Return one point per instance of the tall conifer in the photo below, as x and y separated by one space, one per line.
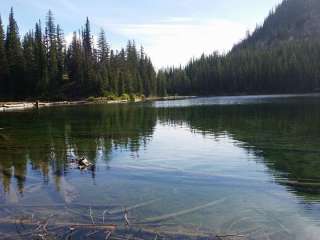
14 58
3 63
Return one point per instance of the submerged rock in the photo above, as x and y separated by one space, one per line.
84 163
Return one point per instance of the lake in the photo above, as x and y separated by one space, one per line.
242 166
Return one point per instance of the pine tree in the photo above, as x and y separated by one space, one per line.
161 84
133 68
103 48
151 76
40 59
88 66
14 58
52 55
103 64
144 81
113 73
3 64
42 67
122 73
60 55
75 61
29 58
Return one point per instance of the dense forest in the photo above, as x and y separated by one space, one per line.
41 65
290 67
280 56
290 20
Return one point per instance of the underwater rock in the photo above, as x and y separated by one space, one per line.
84 163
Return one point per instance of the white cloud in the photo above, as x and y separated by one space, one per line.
176 40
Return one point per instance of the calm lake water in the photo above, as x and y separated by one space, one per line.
226 165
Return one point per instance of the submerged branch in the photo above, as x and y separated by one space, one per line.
183 212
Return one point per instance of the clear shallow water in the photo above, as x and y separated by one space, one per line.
226 165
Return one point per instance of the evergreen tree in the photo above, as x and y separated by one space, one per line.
29 59
151 76
89 75
123 75
52 55
113 73
43 67
103 64
132 68
40 59
161 84
74 61
103 48
60 55
3 63
14 59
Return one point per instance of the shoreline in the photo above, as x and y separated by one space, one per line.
11 106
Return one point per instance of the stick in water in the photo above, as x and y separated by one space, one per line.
183 212
91 216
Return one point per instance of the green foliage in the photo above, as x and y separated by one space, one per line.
14 59
132 97
290 20
265 62
91 99
43 66
3 63
125 97
110 96
281 56
289 67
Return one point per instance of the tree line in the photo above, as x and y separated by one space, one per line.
287 67
41 64
280 56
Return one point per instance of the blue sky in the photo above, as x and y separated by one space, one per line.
172 31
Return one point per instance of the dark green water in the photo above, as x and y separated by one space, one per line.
227 165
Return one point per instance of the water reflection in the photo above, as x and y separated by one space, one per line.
284 135
50 138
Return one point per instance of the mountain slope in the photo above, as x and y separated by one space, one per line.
281 56
291 20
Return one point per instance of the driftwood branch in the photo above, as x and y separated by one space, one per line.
126 218
91 216
183 212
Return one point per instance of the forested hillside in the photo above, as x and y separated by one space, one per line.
290 21
281 56
41 65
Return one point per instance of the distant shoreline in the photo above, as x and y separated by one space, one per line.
27 105
11 106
